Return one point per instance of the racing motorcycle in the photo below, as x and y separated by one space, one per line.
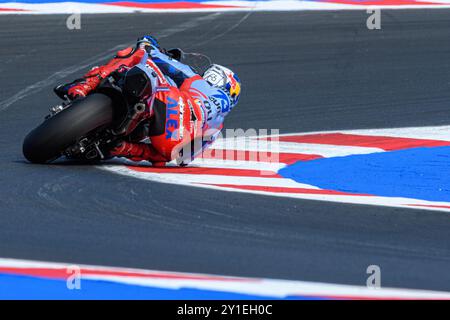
83 128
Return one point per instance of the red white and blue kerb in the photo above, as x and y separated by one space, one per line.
23 279
405 167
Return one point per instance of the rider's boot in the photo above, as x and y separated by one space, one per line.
138 152
81 87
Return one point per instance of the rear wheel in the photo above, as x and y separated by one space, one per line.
48 141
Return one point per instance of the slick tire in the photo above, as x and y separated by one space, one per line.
49 140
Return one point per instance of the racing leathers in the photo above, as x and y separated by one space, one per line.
183 116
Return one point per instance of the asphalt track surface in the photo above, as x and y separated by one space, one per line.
301 71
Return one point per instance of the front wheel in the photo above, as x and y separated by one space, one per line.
49 140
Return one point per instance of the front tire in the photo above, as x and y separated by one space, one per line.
48 141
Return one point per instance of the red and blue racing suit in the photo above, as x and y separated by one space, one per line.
185 113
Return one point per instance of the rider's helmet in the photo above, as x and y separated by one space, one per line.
148 40
223 78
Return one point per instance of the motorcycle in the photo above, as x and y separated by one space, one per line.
83 128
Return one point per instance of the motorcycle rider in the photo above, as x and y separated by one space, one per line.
184 114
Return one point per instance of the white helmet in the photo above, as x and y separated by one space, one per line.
220 77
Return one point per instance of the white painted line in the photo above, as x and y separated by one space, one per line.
324 150
211 179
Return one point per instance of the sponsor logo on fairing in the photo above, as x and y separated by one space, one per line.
172 123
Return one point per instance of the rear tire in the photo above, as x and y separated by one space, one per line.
48 141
